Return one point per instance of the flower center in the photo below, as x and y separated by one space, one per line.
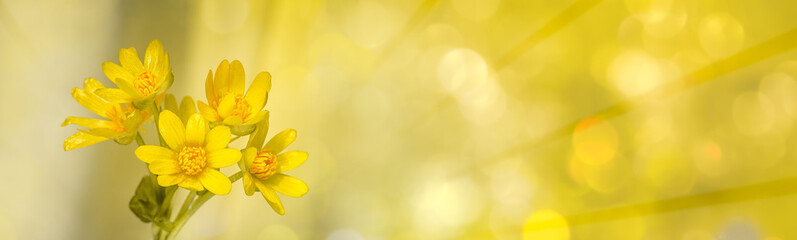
117 114
241 108
145 83
192 160
264 166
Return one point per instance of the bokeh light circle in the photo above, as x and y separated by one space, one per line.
635 72
595 141
462 71
720 35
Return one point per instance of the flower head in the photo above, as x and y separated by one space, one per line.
121 125
227 102
263 167
194 156
138 83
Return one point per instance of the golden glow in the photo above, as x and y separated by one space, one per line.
693 97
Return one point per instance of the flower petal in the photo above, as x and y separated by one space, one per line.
125 138
165 83
91 84
287 185
114 72
208 112
259 136
145 102
172 130
223 158
86 122
162 67
256 118
133 121
170 103
113 95
280 141
290 160
154 55
237 77
81 139
233 121
249 184
128 57
210 90
91 102
257 95
150 153
217 138
215 181
226 105
127 87
271 197
164 167
103 132
171 179
191 183
195 131
249 155
222 80
187 108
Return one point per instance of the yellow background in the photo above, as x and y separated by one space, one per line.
424 119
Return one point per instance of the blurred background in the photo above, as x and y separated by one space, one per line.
432 119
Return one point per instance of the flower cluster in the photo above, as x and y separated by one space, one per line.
194 145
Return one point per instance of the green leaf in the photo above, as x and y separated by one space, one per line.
147 199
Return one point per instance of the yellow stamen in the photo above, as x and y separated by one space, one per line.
241 108
192 160
145 83
118 115
264 166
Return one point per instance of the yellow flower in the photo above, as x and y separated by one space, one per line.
194 154
184 110
227 103
263 167
122 124
138 83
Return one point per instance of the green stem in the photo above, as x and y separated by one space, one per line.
156 232
165 205
140 140
156 113
236 176
235 138
183 217
187 203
